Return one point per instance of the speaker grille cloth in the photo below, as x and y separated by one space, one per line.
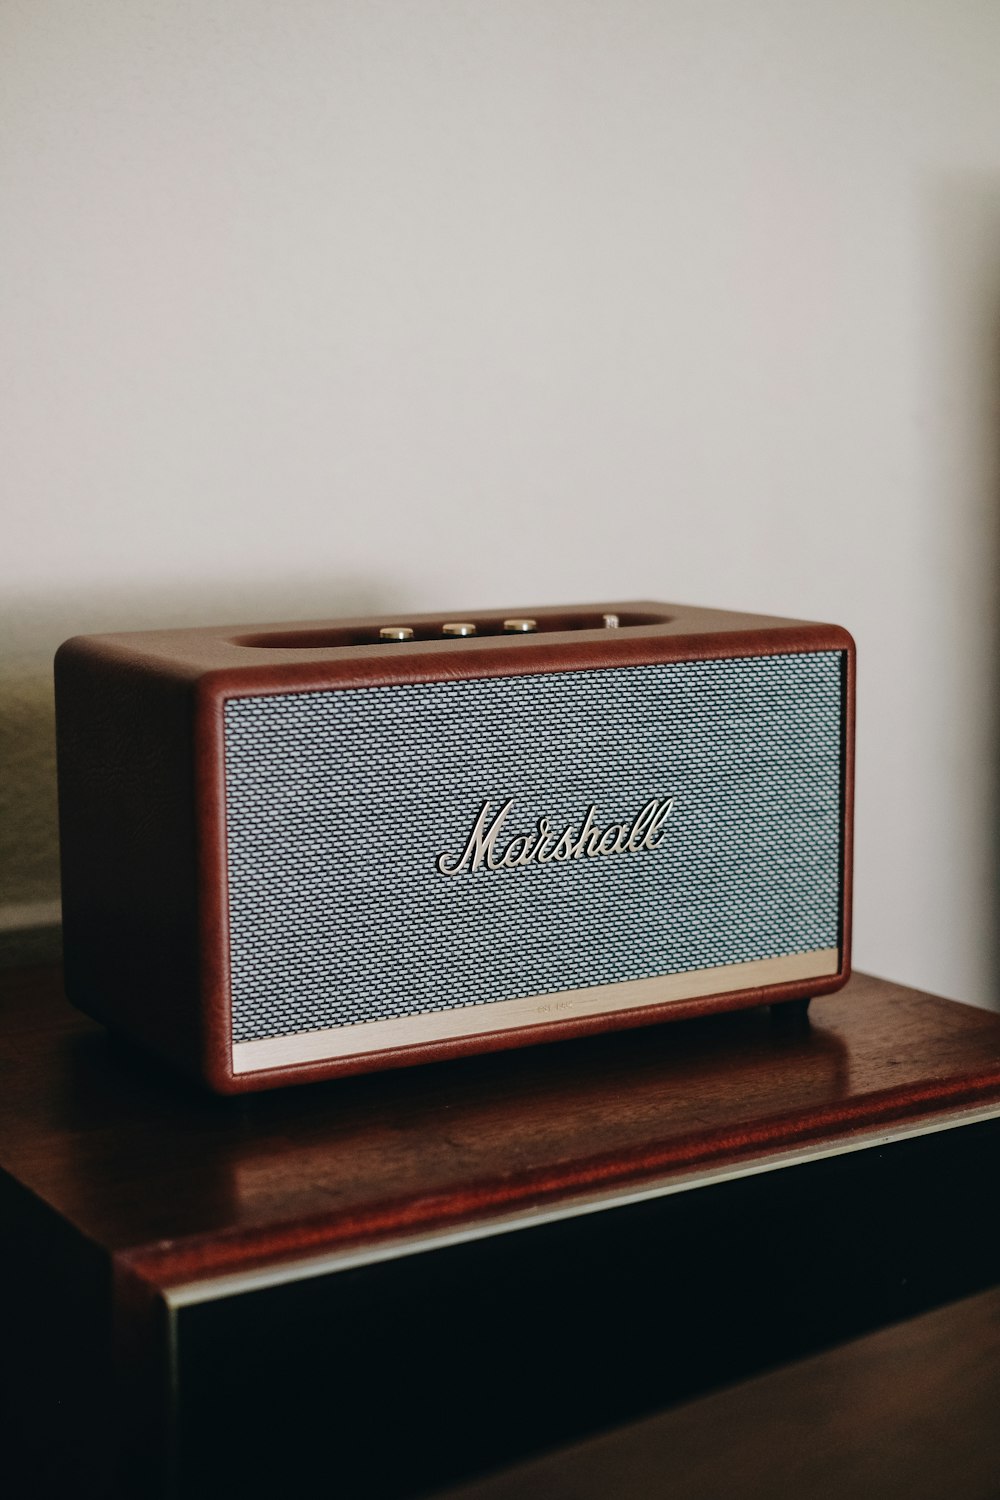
340 802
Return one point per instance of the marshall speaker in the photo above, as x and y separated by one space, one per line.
295 851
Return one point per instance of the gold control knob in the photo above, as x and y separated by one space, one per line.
395 633
520 627
458 627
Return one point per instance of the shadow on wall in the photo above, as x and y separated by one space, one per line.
960 649
32 629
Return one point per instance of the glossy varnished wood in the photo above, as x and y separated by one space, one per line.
132 1158
909 1413
119 1183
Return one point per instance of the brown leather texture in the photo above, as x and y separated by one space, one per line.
349 649
128 848
142 799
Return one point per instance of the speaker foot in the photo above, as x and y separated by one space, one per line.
792 1015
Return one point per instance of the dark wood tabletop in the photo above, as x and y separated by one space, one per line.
909 1413
281 1255
133 1157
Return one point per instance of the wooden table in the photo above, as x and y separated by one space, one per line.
417 1277
909 1413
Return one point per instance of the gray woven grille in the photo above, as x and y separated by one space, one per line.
339 803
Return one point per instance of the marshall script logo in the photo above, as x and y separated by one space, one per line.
546 846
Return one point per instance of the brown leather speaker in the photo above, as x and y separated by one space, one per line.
292 851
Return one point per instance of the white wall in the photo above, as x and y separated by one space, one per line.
482 302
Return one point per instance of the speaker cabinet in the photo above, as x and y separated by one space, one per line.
297 850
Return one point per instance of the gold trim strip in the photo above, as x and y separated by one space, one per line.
529 1010
280 1273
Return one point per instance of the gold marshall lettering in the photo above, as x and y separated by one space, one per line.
544 846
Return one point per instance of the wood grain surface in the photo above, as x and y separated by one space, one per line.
139 1162
119 1183
909 1412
